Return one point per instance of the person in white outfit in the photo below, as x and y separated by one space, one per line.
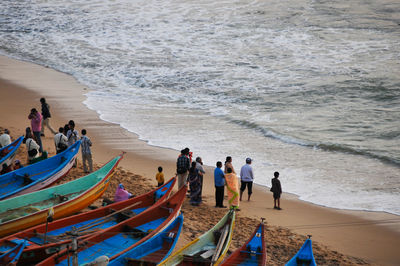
60 140
31 146
5 138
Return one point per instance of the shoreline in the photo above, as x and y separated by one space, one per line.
364 234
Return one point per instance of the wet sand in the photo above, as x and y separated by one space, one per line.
340 237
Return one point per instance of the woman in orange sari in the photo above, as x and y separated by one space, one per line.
232 183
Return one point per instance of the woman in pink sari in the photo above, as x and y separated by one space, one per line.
232 183
121 194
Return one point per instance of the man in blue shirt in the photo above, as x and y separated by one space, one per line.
219 181
246 179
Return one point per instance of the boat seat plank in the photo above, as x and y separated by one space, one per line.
131 261
39 239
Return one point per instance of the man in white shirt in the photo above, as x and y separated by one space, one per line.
246 179
5 138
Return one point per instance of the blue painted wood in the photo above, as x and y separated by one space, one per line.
27 178
304 256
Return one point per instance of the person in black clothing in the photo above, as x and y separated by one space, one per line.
46 116
276 189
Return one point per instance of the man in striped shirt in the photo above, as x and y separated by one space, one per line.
86 143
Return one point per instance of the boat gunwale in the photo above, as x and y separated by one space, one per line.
15 144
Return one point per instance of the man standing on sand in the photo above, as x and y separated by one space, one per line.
182 167
277 190
246 179
46 116
219 182
86 152
199 166
36 126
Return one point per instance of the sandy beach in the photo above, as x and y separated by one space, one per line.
340 237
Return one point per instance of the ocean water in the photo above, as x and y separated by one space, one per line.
307 88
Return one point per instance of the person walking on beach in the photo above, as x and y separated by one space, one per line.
86 143
160 177
232 185
276 189
219 182
61 141
199 166
228 164
46 116
5 138
182 167
246 179
194 185
36 125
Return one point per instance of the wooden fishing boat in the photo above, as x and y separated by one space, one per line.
122 237
8 153
154 250
11 256
208 249
253 252
46 239
304 256
31 209
39 175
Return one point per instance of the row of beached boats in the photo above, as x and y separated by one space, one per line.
142 230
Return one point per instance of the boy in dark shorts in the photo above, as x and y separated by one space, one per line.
276 189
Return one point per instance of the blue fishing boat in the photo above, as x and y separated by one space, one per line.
7 153
11 256
253 252
39 175
304 256
153 250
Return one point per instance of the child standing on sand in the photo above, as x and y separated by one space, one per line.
276 189
160 177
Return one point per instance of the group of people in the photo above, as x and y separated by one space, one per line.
229 179
64 138
192 173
